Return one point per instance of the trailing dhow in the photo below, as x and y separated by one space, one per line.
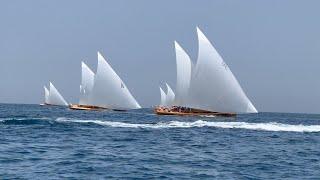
167 99
53 97
103 90
86 86
206 88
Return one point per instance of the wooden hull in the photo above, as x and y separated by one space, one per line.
85 107
190 112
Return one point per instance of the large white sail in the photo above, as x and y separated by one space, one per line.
213 86
109 90
184 66
55 97
170 96
162 97
87 80
46 95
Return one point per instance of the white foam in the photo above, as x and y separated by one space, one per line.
271 126
207 116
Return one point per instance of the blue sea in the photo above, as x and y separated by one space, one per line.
47 142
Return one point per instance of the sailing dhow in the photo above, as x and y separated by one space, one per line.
53 97
209 87
167 99
104 90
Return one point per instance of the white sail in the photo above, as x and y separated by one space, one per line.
55 97
170 96
46 95
108 90
87 80
162 97
183 75
213 85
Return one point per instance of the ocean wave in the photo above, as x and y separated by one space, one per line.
270 126
24 120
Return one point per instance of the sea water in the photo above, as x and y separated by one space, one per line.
47 142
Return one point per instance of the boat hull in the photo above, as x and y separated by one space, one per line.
85 107
190 112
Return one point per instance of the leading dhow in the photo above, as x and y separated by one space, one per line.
104 90
206 88
86 86
53 97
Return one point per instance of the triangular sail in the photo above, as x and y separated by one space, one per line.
109 90
170 96
184 66
87 80
162 97
213 85
46 95
55 97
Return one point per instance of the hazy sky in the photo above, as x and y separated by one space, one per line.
272 47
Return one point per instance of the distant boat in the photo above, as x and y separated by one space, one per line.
207 88
167 99
104 90
86 86
53 97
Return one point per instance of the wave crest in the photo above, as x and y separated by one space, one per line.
271 126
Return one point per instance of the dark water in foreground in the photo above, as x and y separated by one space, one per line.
57 143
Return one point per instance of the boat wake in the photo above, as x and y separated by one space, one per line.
270 126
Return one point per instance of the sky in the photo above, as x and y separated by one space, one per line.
272 47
